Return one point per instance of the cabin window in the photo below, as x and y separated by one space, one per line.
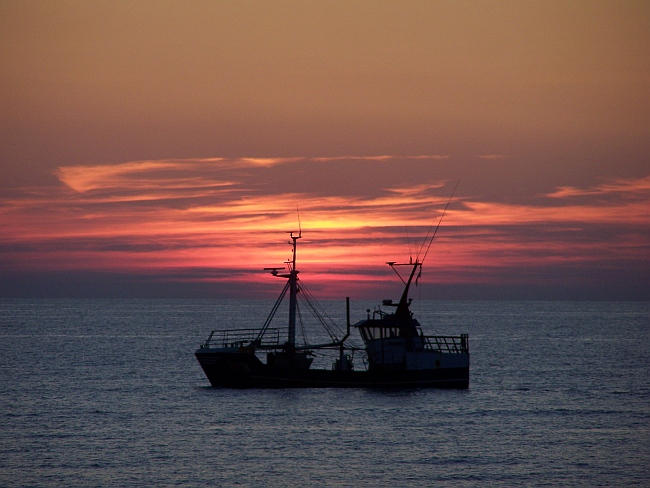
374 333
371 333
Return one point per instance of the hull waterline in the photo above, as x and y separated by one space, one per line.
245 370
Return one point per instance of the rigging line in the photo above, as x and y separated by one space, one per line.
399 275
438 226
331 327
302 325
426 238
305 295
272 313
419 293
321 315
424 241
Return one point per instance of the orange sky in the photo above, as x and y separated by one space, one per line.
161 148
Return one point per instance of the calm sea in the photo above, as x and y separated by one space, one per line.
108 393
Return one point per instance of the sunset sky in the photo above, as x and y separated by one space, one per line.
165 148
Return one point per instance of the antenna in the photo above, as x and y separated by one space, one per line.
299 224
438 226
408 241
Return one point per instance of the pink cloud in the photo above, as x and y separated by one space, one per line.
494 156
164 216
637 186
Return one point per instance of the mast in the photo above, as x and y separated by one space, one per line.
292 287
293 293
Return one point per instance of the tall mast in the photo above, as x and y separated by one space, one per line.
292 287
293 292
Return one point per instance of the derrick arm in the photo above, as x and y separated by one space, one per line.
404 302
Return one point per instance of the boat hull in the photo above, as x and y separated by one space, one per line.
245 370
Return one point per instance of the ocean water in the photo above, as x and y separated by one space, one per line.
108 393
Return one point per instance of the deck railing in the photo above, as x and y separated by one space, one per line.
447 343
241 338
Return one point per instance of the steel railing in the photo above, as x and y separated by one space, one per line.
241 338
447 343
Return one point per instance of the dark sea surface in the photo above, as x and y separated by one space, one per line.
108 393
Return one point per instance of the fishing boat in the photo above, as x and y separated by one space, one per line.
395 352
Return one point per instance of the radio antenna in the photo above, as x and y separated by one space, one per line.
438 226
299 224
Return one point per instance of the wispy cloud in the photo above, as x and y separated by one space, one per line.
384 157
638 188
207 214
494 156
